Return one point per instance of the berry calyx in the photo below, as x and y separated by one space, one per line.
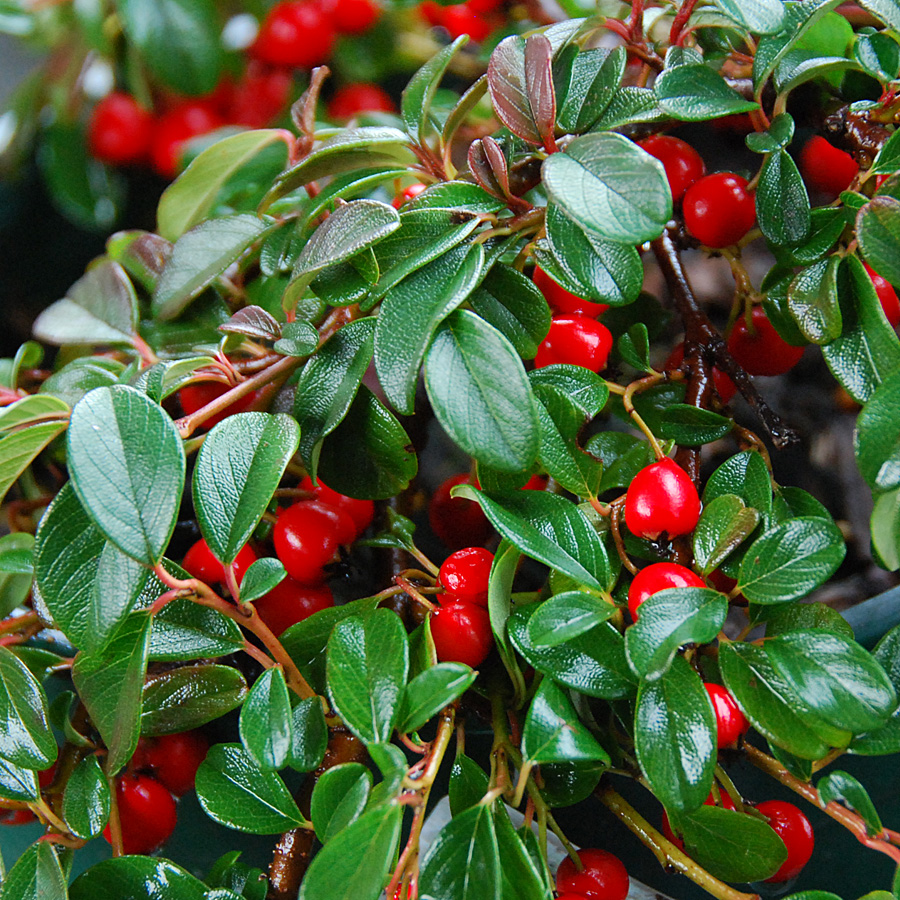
294 33
465 574
290 602
887 296
794 829
661 499
462 633
718 209
659 577
576 340
563 301
762 351
731 723
200 563
120 130
603 876
683 164
306 537
147 814
172 759
353 99
725 387
196 396
458 522
825 168
176 127
361 511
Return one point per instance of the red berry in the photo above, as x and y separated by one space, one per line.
290 602
462 633
200 563
886 295
576 340
172 758
725 387
563 301
176 127
683 164
361 511
362 97
603 877
658 577
762 353
730 721
794 829
456 521
16 817
45 776
306 537
147 814
260 96
352 16
718 209
408 194
464 575
120 130
825 168
461 19
196 396
661 498
536 483
297 34
726 803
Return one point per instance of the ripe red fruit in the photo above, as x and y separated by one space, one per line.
297 34
718 209
725 802
661 498
260 96
563 301
290 602
731 723
794 829
462 633
16 817
603 878
458 522
725 387
576 340
173 759
361 97
461 18
683 164
536 483
200 563
407 194
887 296
176 127
825 168
361 511
658 577
147 814
306 537
196 396
120 130
352 16
762 353
464 575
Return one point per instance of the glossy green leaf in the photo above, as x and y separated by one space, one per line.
415 104
844 788
261 577
791 560
878 437
468 784
199 257
18 782
885 10
670 619
813 301
759 17
37 875
190 696
127 466
236 793
192 196
339 799
300 339
411 313
566 616
522 874
110 684
265 721
25 735
309 735
86 801
787 617
782 203
500 585
585 389
695 93
15 585
393 766
430 691
31 409
725 523
593 663
20 448
610 187
745 475
137 878
354 865
590 83
622 455
885 525
675 737
185 630
691 426
238 469
368 660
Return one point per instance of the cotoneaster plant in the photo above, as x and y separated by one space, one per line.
220 526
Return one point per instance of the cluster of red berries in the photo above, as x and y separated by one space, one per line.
601 877
161 769
479 19
461 626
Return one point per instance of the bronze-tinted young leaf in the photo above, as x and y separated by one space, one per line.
483 172
142 254
509 90
253 322
539 85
